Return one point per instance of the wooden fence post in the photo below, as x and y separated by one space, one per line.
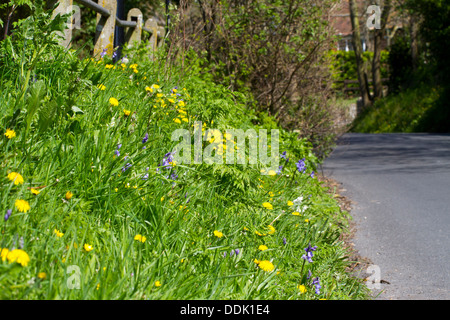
152 25
64 7
133 35
104 32
161 35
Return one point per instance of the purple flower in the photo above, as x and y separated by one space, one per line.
145 138
316 283
309 274
103 53
114 54
8 214
301 167
280 168
117 153
224 254
174 176
126 167
312 174
309 253
145 176
284 241
119 146
236 251
283 155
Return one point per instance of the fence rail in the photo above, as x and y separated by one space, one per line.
348 88
106 23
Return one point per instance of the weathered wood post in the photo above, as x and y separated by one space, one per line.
104 32
64 7
133 35
152 25
161 35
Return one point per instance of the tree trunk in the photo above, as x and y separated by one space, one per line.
376 64
413 36
362 76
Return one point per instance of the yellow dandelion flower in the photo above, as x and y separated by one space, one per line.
4 253
306 220
19 256
158 283
101 87
266 265
181 104
176 120
218 234
22 205
109 66
267 205
272 173
302 288
114 102
42 275
58 233
256 261
290 203
35 192
148 89
262 247
155 86
98 286
159 95
88 247
271 229
69 195
16 177
296 213
10 133
126 112
140 238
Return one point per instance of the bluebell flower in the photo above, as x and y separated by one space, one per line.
309 274
312 174
126 167
8 214
117 153
309 253
301 166
103 53
236 251
283 155
144 140
284 241
316 283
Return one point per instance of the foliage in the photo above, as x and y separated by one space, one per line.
131 228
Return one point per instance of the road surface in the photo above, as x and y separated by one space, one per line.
400 184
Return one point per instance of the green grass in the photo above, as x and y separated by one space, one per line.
67 133
402 112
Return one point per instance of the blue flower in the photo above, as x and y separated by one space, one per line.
309 253
126 167
301 166
117 153
284 241
145 138
312 174
316 283
8 214
283 155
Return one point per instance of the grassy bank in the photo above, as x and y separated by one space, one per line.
95 207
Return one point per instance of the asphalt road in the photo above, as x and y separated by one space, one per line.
400 184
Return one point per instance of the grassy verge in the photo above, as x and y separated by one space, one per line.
96 208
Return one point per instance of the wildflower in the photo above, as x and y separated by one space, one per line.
42 275
316 283
218 234
271 229
272 173
284 241
114 102
176 120
267 205
35 192
158 283
145 139
301 167
4 253
266 265
103 53
58 233
155 86
126 167
140 238
283 155
262 247
19 256
148 89
236 251
126 112
101 87
69 195
88 247
312 174
290 203
109 66
10 133
16 177
22 205
302 288
117 153
8 214
309 253
296 213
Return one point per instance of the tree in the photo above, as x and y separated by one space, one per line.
357 46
